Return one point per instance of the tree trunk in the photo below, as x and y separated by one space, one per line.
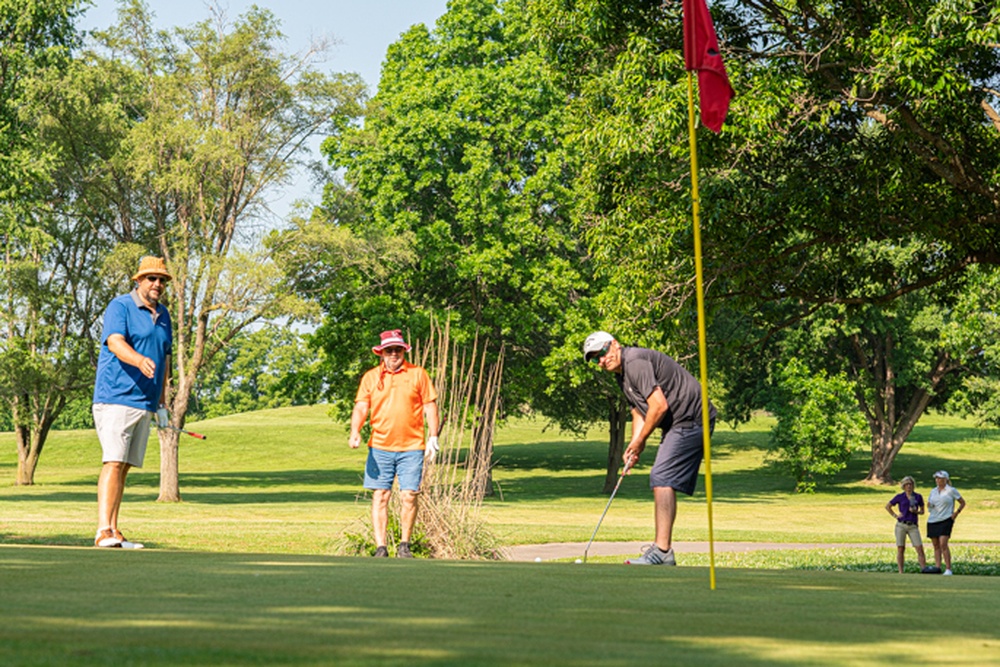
883 456
170 487
27 457
617 420
30 442
890 424
170 490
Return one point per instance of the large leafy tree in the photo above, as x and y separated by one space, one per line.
902 358
44 287
866 178
858 131
216 118
622 67
34 36
460 169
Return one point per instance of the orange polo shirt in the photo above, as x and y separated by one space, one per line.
396 403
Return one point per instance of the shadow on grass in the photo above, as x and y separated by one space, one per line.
230 488
968 472
949 433
203 609
84 538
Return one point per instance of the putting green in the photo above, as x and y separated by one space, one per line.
84 606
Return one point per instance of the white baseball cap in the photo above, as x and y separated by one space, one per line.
596 342
943 474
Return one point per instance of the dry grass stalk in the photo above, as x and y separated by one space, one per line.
454 486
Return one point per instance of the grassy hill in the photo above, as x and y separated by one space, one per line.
285 481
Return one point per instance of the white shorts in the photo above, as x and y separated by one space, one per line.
123 432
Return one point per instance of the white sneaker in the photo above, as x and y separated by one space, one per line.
947 573
125 544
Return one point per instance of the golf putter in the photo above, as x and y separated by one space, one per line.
606 508
191 433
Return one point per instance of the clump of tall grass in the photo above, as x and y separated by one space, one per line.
468 384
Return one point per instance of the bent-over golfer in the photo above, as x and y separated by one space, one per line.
131 386
400 397
660 393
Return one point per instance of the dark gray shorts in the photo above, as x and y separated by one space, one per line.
678 459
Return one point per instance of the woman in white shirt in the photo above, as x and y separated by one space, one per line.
941 517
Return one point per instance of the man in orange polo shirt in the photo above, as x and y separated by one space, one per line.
400 397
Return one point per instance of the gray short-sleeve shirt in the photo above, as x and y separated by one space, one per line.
643 370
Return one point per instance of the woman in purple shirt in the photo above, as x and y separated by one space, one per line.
910 505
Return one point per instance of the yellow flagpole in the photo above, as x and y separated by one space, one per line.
702 346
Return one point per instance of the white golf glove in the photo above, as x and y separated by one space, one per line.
162 418
432 448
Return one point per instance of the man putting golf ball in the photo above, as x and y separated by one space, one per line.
660 393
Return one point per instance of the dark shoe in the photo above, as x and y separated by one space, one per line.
654 556
403 550
381 552
931 569
106 538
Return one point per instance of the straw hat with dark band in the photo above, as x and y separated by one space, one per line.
149 265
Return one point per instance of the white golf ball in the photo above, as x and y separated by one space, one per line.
538 559
578 560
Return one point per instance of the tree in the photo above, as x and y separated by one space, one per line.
816 431
621 64
863 192
219 118
45 316
460 164
975 328
33 36
857 167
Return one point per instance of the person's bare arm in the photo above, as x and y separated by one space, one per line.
961 506
358 418
127 355
642 426
431 417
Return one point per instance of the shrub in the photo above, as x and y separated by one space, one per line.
818 424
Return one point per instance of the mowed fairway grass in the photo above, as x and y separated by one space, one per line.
245 570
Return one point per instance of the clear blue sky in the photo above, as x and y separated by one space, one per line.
361 29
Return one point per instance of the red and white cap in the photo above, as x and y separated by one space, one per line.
393 338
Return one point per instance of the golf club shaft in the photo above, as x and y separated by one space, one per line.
606 508
191 433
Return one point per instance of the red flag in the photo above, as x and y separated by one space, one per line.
701 53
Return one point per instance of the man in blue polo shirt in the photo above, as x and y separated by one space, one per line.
131 387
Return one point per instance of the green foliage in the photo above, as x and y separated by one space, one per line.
77 415
270 367
47 287
358 539
202 124
818 425
35 35
976 328
460 163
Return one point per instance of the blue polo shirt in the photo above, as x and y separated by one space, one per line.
150 335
